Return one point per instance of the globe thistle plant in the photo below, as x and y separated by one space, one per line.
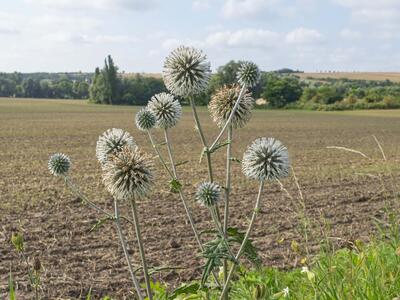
145 119
128 173
224 100
248 74
111 142
266 159
208 193
186 72
166 108
59 164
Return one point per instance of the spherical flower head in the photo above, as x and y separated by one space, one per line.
266 159
166 108
145 119
128 173
111 142
208 193
59 164
186 71
248 74
224 100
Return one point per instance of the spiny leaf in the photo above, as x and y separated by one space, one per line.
175 186
100 223
190 288
235 159
249 250
219 145
180 163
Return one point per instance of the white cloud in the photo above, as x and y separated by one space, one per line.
350 34
67 37
243 8
138 5
378 14
245 38
57 22
303 36
200 5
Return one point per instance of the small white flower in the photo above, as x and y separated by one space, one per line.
111 142
266 159
186 71
166 108
286 292
59 164
304 270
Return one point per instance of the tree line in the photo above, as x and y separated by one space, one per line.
279 89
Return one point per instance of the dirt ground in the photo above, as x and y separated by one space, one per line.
343 192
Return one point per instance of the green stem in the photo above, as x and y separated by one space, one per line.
229 118
203 140
85 199
141 248
188 213
124 248
220 230
159 154
227 194
246 237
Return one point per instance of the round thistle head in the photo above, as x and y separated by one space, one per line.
186 71
266 159
248 74
166 108
111 142
59 164
128 173
145 119
222 103
208 193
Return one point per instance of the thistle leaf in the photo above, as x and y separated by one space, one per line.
175 186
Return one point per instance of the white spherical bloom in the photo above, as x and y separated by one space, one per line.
222 103
145 119
166 108
266 159
248 74
208 193
59 164
128 173
111 142
186 72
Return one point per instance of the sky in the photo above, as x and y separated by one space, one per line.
310 35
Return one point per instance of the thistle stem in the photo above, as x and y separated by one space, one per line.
85 199
159 154
220 230
124 247
230 117
141 248
203 140
227 193
188 213
246 237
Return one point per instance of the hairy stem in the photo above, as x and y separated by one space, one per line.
246 237
227 193
85 199
188 213
203 140
141 248
124 248
230 117
218 225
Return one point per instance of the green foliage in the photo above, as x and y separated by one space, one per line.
11 289
280 91
18 241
